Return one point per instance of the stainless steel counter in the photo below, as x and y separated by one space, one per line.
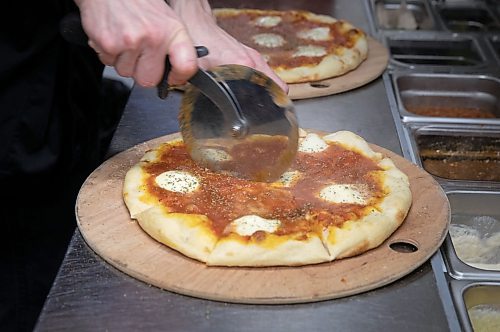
88 294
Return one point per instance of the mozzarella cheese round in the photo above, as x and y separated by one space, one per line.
312 143
288 179
268 21
318 34
247 225
215 155
310 50
177 181
269 40
343 193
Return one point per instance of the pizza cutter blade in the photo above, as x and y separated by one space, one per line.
238 121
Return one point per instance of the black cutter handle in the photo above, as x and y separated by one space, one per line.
163 86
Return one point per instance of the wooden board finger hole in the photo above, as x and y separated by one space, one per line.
403 245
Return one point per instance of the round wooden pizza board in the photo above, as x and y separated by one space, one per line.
368 70
106 226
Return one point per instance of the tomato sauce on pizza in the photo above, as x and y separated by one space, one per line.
225 198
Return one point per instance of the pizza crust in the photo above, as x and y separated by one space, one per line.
274 250
332 65
353 142
188 234
193 236
134 193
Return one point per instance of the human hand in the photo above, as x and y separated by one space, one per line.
223 48
135 37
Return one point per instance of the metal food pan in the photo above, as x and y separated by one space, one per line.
468 16
384 15
458 156
450 98
469 296
494 42
434 52
472 248
496 7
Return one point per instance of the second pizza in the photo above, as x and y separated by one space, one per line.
299 46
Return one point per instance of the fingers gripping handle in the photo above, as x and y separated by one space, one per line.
72 31
163 86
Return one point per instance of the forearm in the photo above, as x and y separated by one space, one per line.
187 6
196 15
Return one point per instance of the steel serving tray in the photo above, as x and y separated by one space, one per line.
413 132
466 91
437 52
494 44
467 16
467 207
384 12
468 294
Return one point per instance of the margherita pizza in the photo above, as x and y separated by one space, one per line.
338 199
299 46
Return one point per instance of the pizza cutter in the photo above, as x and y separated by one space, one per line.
233 119
236 120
